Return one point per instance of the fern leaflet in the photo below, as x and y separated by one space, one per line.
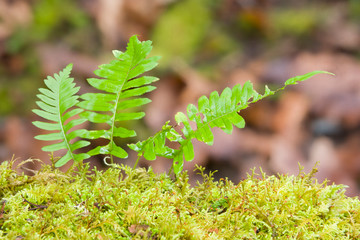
216 111
123 86
58 106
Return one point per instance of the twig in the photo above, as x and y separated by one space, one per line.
33 204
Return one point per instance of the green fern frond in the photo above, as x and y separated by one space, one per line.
220 111
58 106
123 86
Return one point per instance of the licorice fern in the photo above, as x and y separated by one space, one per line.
123 87
220 111
58 105
120 79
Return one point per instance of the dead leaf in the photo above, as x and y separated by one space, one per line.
289 118
12 15
337 98
83 64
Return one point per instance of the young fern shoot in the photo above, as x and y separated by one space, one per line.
220 111
123 86
58 105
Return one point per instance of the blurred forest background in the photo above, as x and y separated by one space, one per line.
205 45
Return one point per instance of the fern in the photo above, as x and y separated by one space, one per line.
123 86
58 106
216 111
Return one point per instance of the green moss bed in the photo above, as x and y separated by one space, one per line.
122 203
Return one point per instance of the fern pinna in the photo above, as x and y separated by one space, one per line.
220 111
58 105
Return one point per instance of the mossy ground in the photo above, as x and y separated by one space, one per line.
122 203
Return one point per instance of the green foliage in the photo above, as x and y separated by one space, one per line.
178 33
354 9
6 105
52 19
216 111
57 105
52 15
139 204
123 84
296 22
120 79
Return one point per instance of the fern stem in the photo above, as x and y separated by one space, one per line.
111 159
137 161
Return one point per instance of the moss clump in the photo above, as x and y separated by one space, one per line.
122 203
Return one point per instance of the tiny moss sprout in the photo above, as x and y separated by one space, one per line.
126 203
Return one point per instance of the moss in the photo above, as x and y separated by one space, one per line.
122 203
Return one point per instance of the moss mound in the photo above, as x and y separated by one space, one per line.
122 203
